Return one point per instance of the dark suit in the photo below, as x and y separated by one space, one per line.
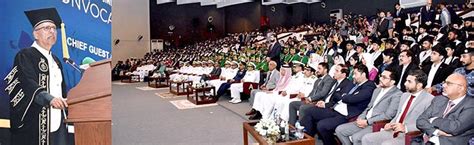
274 53
379 60
341 89
325 120
382 28
458 122
216 71
426 63
411 66
399 25
225 86
321 89
441 74
427 15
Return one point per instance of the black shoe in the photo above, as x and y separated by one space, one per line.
257 116
251 112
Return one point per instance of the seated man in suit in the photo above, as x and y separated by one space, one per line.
383 106
321 88
437 71
325 120
448 120
412 104
273 76
240 74
216 71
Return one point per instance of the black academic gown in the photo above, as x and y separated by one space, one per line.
27 86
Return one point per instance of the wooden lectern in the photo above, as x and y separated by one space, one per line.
90 106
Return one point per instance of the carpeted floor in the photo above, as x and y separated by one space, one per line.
140 117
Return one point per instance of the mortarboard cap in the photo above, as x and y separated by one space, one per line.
406 42
427 38
469 19
352 42
361 45
390 41
39 16
440 49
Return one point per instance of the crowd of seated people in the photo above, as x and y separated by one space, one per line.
341 80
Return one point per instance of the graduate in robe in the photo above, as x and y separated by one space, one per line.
36 87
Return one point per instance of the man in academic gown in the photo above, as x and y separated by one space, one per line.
36 87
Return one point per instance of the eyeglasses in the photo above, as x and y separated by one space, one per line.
450 83
46 28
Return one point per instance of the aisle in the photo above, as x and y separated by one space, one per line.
142 118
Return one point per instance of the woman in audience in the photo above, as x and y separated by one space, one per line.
368 61
353 61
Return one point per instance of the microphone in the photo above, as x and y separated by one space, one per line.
72 64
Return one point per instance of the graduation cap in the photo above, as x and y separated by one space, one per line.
390 41
406 42
438 48
450 45
352 42
360 45
427 38
39 16
469 19
424 26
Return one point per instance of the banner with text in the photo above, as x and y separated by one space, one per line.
88 35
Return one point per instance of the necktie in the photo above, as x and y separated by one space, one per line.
334 88
353 89
450 106
268 78
405 111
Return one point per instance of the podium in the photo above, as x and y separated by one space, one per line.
90 106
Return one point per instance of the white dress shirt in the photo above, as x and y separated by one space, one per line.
431 74
399 85
332 89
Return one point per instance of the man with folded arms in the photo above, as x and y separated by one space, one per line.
448 120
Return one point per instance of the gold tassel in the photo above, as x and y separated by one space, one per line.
63 41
